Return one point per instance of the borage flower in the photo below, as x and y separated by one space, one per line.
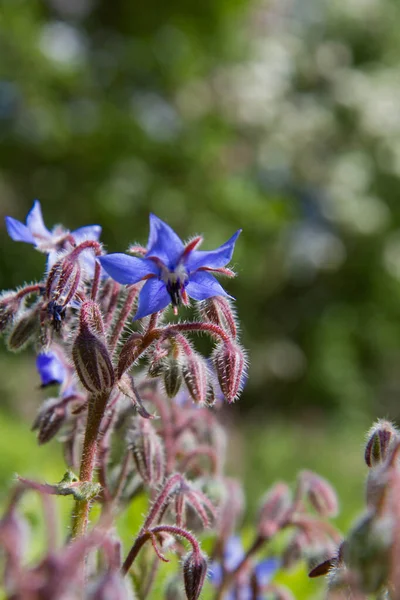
172 269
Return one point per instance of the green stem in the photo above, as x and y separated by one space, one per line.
96 407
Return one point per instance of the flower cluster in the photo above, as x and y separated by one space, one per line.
99 324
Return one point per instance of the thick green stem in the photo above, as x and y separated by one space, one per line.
96 408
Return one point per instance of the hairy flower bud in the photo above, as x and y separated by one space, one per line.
24 329
320 494
194 572
229 362
219 310
172 377
380 438
50 419
274 508
9 305
63 280
92 361
194 371
130 351
148 452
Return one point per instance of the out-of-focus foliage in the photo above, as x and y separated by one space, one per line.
280 117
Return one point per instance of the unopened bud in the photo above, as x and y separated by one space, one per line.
148 452
219 310
130 352
25 328
92 362
194 573
9 305
320 493
63 281
380 438
49 420
274 508
194 371
230 364
172 377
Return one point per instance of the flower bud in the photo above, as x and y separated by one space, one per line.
380 438
320 494
130 352
92 362
63 281
219 310
194 371
9 305
274 508
148 452
50 419
172 377
194 572
24 329
229 362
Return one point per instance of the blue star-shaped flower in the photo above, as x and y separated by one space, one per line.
50 368
173 271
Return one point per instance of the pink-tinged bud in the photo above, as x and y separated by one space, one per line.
63 281
219 310
172 377
91 317
320 493
148 452
24 330
156 367
130 352
194 371
194 573
92 362
50 419
230 364
273 510
9 305
381 437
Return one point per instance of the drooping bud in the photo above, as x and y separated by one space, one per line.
320 494
230 364
194 371
194 573
24 329
148 452
90 354
63 280
380 437
172 377
130 352
49 420
9 305
274 508
219 310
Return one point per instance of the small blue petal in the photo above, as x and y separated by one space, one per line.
152 298
127 269
203 285
265 570
50 368
213 259
88 232
164 242
35 223
233 553
18 231
215 572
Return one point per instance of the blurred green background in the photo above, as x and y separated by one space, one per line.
281 117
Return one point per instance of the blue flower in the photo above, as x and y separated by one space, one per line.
173 271
50 368
232 557
35 232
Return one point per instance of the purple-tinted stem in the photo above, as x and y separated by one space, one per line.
211 328
169 488
30 289
122 317
112 305
96 408
96 281
202 450
86 245
147 534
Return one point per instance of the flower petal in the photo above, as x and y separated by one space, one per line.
127 269
35 223
50 368
88 232
18 231
152 298
265 570
164 243
203 285
233 553
215 573
213 259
